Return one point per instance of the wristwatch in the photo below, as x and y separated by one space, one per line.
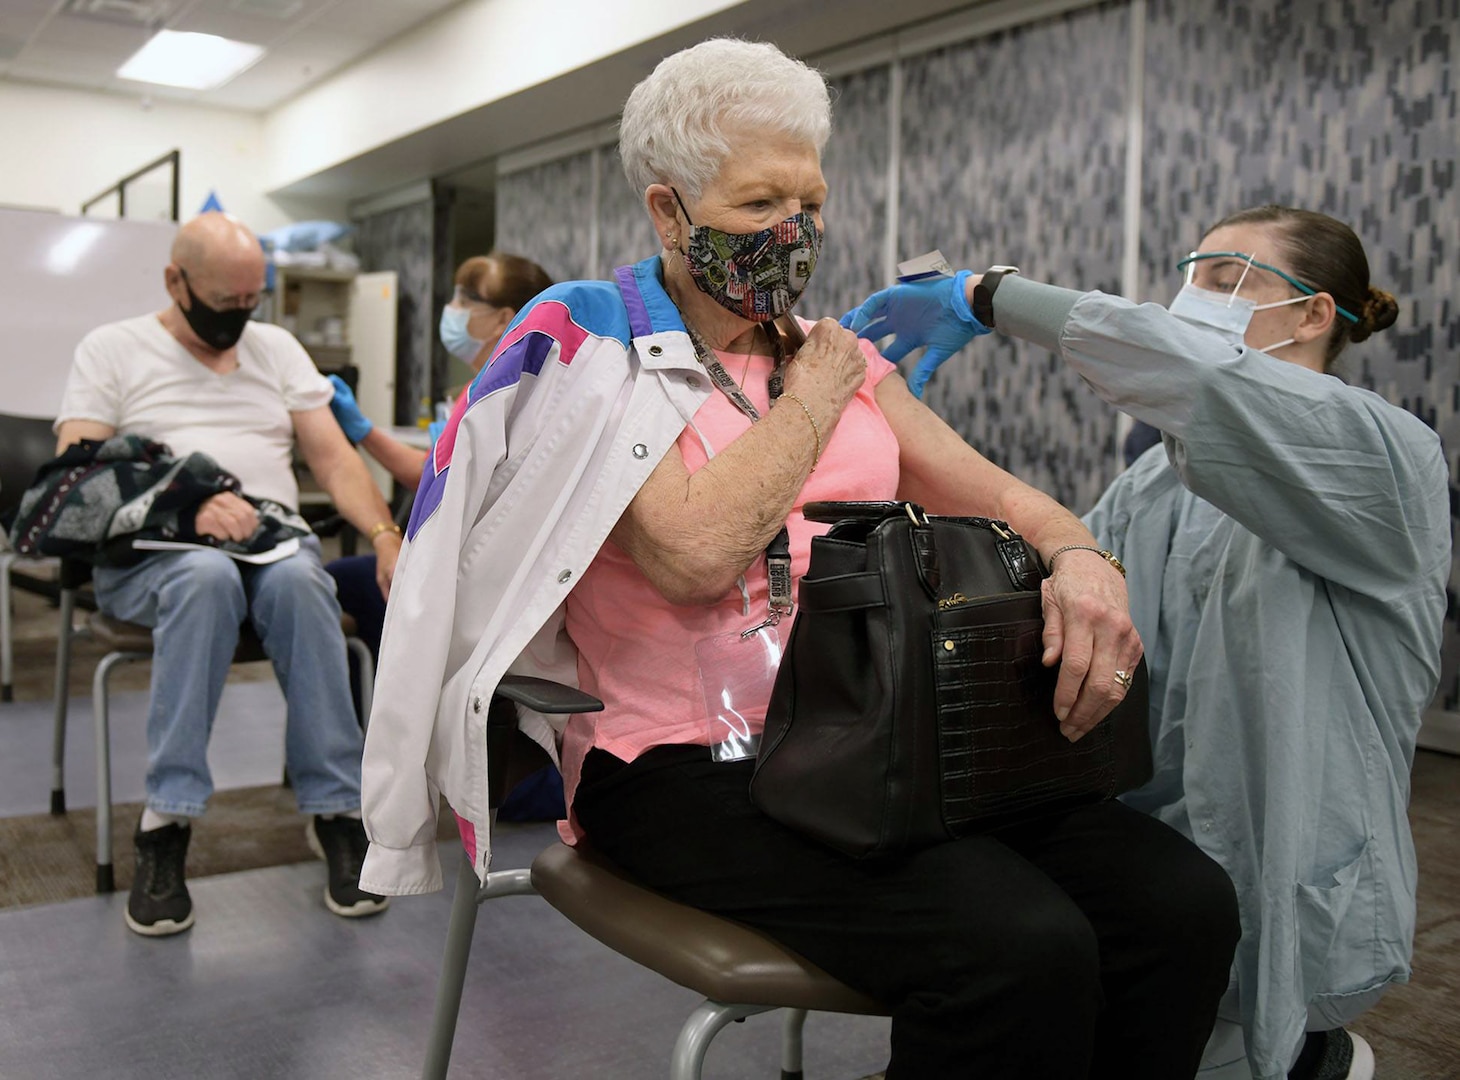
983 293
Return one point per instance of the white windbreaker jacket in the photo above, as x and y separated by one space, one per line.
587 391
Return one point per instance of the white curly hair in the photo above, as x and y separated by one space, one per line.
674 122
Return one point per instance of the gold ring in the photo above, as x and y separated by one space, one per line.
1123 677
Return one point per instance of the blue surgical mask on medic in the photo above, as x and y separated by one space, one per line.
454 336
1227 313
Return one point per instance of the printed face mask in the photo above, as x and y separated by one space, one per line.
758 275
454 336
219 330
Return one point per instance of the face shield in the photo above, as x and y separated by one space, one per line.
1222 308
454 318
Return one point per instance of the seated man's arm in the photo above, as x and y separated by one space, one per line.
73 431
342 473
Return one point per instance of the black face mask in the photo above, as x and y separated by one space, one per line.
219 329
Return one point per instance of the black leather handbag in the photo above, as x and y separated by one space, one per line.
911 705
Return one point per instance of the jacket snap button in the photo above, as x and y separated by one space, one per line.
694 381
641 451
656 350
949 646
476 704
564 577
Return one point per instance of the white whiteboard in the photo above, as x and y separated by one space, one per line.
60 278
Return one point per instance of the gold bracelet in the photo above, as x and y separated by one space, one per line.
380 527
1106 555
815 429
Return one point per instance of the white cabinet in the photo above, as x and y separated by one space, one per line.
343 320
371 329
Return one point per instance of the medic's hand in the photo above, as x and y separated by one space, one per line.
347 412
931 314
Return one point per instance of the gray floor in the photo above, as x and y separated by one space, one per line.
269 984
247 748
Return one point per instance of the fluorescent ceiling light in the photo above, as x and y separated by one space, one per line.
191 61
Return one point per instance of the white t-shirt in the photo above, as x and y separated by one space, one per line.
137 378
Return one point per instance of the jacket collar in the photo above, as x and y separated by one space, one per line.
660 338
651 311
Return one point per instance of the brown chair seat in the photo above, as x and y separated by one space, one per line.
713 956
114 635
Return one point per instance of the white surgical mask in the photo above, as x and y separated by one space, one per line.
459 343
1225 313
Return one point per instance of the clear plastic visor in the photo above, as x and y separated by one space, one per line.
1248 262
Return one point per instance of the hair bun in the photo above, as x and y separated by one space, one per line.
1379 312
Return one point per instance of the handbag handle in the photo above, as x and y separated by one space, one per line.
830 513
1021 562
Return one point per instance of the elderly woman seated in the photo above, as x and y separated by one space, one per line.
600 510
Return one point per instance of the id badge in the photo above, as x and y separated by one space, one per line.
736 675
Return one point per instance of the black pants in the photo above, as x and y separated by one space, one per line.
1094 944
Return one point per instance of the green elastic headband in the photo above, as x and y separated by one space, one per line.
1251 260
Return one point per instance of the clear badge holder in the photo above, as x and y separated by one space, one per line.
737 671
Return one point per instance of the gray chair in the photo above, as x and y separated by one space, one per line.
125 643
29 444
739 971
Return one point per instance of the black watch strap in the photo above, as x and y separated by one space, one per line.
983 293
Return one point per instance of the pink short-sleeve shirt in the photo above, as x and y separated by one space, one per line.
636 650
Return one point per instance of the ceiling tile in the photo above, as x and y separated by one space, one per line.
316 40
221 18
21 18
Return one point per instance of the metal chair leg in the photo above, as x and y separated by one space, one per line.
7 649
365 664
703 1025
64 634
792 1026
453 972
469 895
100 703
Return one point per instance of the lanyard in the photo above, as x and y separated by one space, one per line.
778 551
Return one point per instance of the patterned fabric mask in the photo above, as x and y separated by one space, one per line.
758 275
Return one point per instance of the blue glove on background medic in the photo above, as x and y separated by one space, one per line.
932 314
347 412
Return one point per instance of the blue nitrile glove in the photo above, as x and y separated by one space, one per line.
347 413
932 314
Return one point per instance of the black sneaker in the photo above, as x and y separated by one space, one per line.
1334 1055
160 904
341 843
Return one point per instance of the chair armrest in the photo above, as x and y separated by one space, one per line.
511 755
541 695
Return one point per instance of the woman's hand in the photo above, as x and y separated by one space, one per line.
347 412
827 371
1088 632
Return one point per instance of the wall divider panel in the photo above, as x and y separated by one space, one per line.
1013 151
546 212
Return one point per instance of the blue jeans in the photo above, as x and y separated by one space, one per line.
195 602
